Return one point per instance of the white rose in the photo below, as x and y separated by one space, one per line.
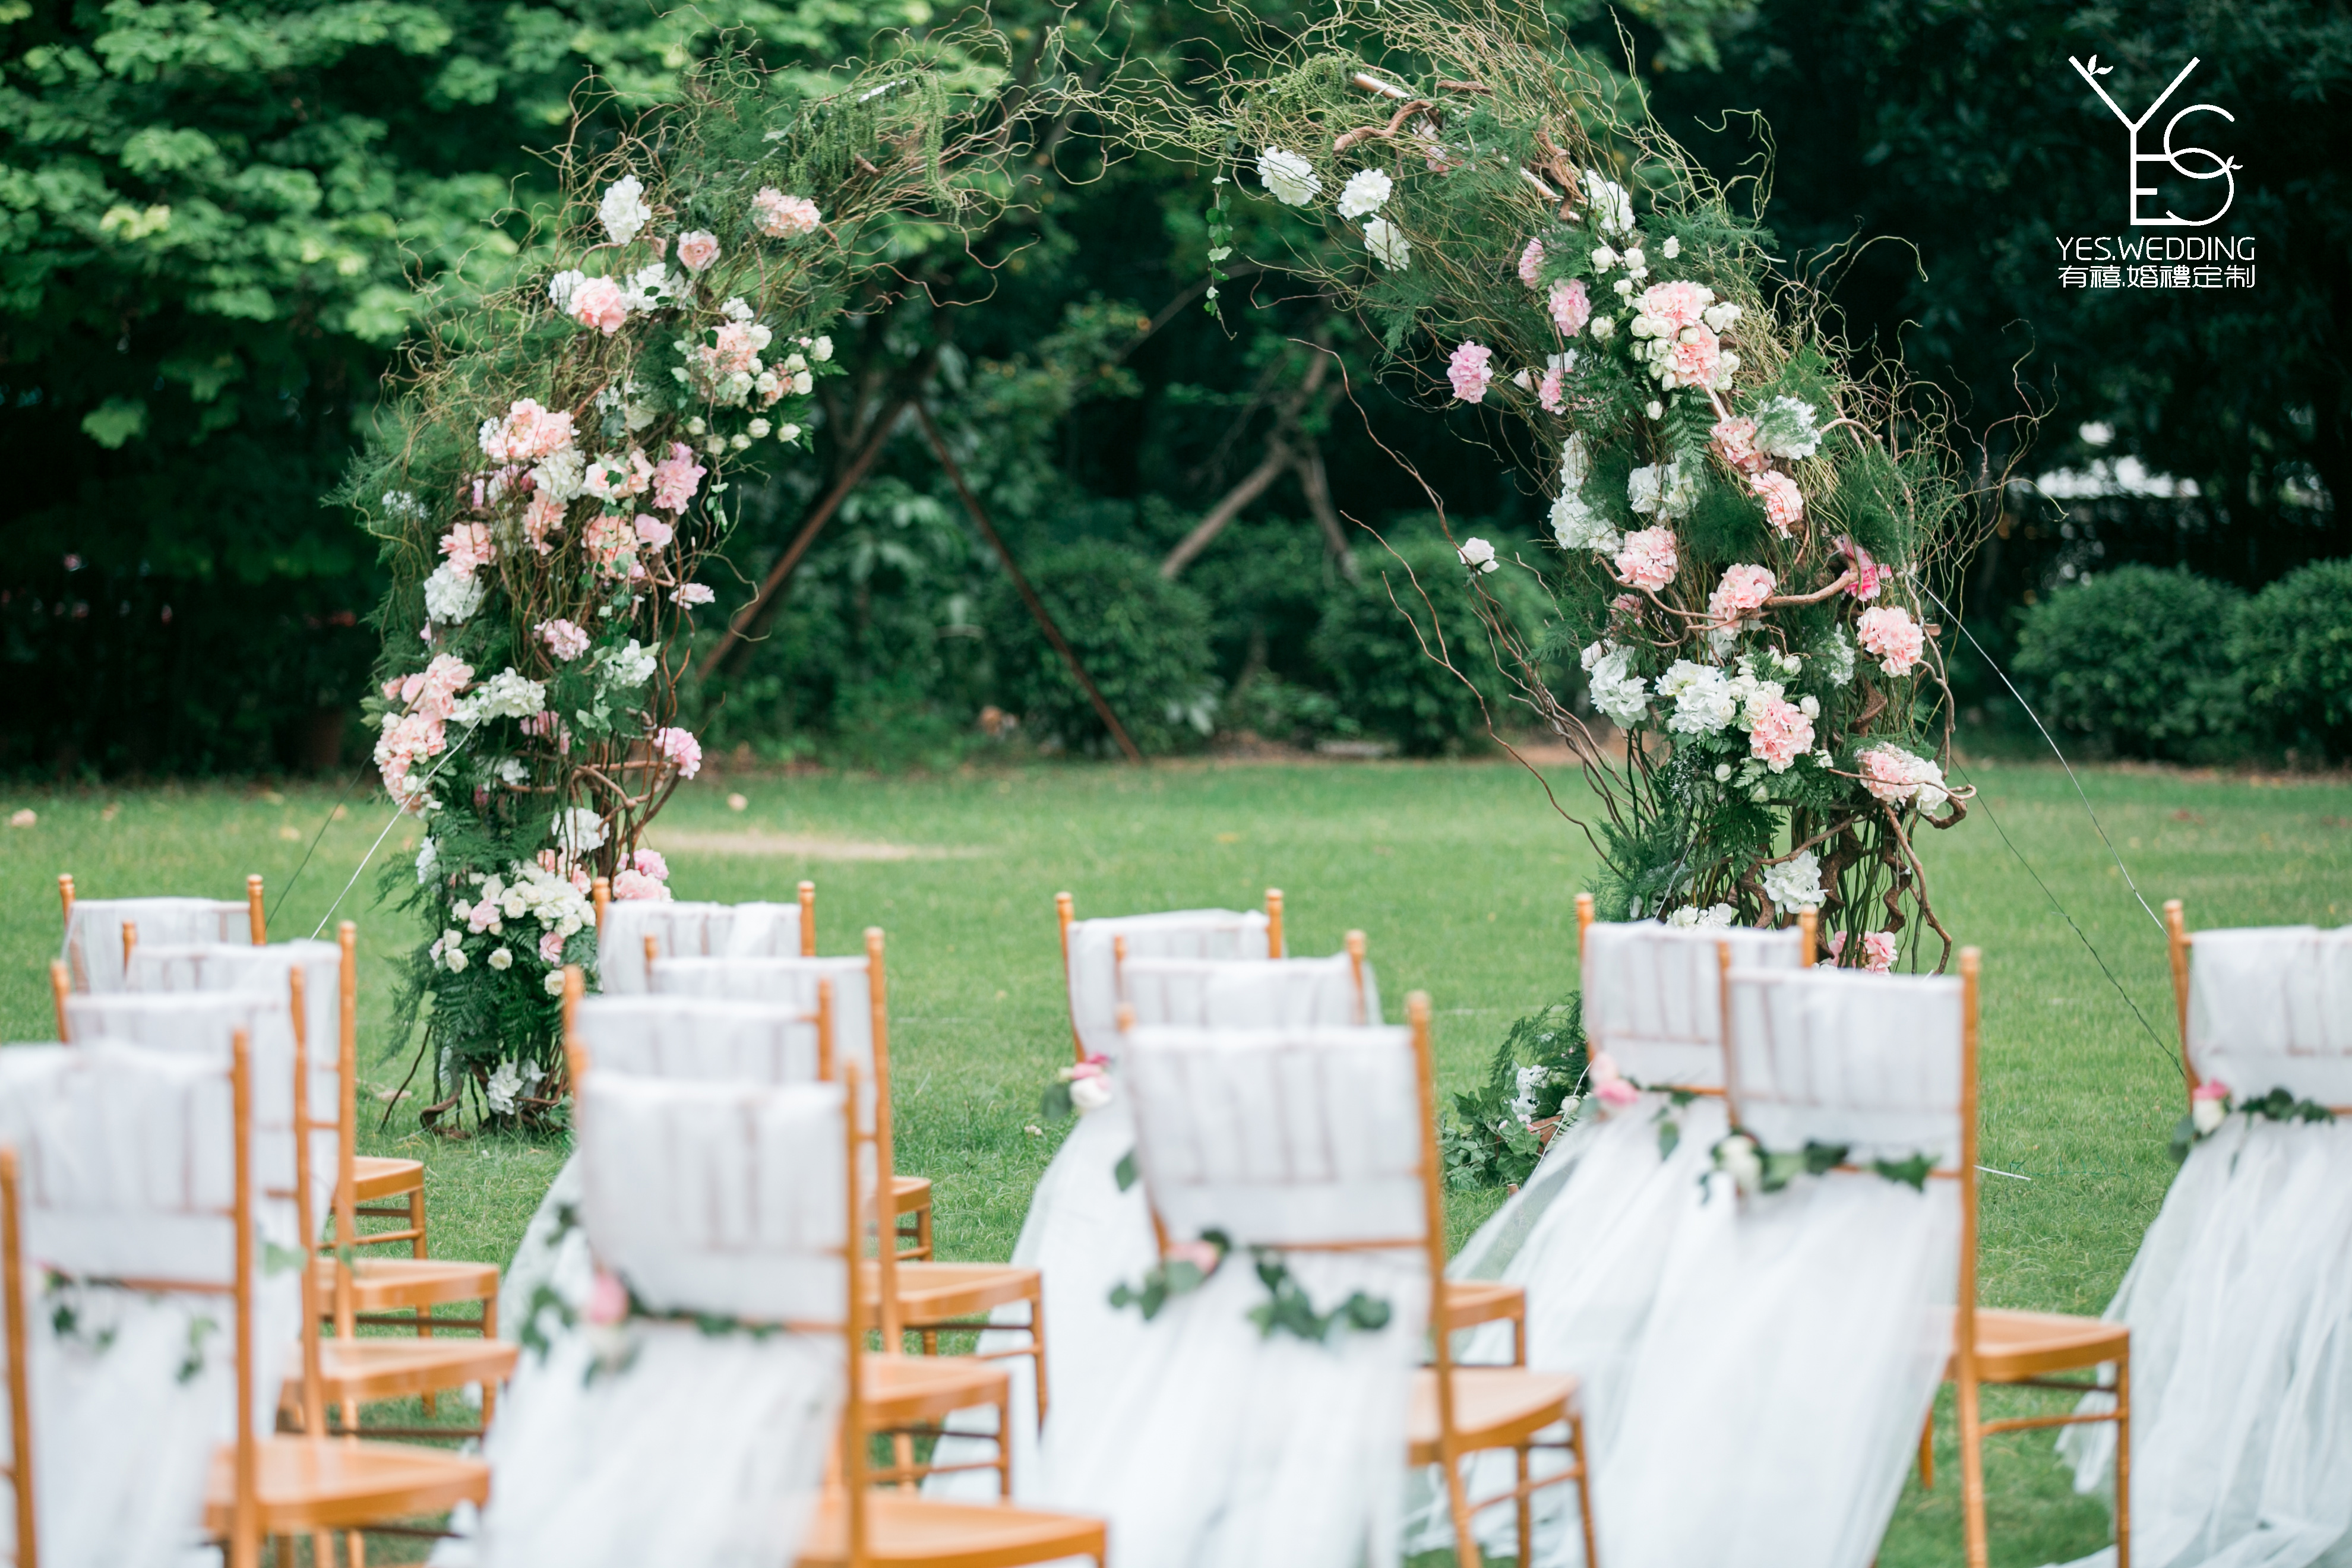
502 961
1634 260
1603 258
1090 1094
1736 1157
760 428
2205 1115
1388 245
822 350
1290 178
1671 248
554 983
455 959
1364 192
1477 554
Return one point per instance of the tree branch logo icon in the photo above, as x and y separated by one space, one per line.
2180 160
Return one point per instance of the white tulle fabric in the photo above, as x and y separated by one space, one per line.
126 1159
1213 1443
1207 992
1184 934
93 946
2239 1300
704 1450
688 931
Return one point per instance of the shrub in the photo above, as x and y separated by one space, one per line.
1488 1140
2291 647
2136 662
1143 640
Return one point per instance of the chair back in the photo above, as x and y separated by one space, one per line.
222 967
1337 992
100 933
1089 951
2271 1007
696 931
785 983
1653 996
704 1039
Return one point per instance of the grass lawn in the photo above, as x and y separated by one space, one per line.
1463 880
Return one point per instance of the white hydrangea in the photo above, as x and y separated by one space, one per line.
560 475
1291 178
1388 245
1839 652
1795 883
1617 691
402 505
630 665
1751 691
1715 917
734 309
623 209
577 830
452 597
1365 191
508 1083
1786 428
1530 1079
647 287
1577 527
425 857
506 695
559 288
1612 209
1665 492
1704 703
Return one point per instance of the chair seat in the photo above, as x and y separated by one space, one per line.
909 1390
900 1528
305 1483
932 1293
911 1195
2012 1346
396 1367
388 1284
1493 1406
374 1176
1466 1302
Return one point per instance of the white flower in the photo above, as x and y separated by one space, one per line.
1388 245
1655 409
1477 554
1577 527
451 597
1635 262
1716 917
1736 1157
501 961
1720 315
1840 653
506 695
1671 248
1612 209
1530 1079
1291 178
623 209
1575 463
1667 492
553 984
426 857
738 441
647 288
1809 705
559 288
693 594
578 830
1090 1094
560 475
402 504
1603 258
1602 329
735 309
788 432
1795 883
1365 191
2205 1115
758 429
630 665
1616 691
1785 428
455 959
821 350
504 1083
1702 696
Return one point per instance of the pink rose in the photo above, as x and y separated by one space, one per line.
1646 559
598 302
676 478
1531 264
654 532
1735 442
1784 503
467 545
540 518
1695 360
637 885
1570 307
1891 635
611 479
1548 393
780 216
681 749
737 348
550 948
1675 306
1741 593
1470 372
564 640
697 249
1779 734
649 863
608 1301
1868 575
1879 951
528 433
1203 1256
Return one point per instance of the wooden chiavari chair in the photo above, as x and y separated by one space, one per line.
1087 955
25 1538
698 1039
932 1297
100 933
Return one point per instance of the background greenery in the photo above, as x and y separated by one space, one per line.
212 217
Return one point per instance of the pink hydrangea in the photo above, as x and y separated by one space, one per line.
1740 594
1570 307
635 884
563 639
611 479
1646 559
676 478
542 724
598 302
735 347
1673 306
467 545
649 863
1470 372
1695 360
1548 392
653 533
1531 264
433 690
2211 1089
1778 732
1890 634
780 217
1868 575
527 433
1784 503
1880 949
612 544
697 249
542 516
681 749
1735 443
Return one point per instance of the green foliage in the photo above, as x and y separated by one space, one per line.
1485 1140
2136 662
2292 646
1145 641
1289 1310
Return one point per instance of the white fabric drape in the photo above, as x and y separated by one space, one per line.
1184 934
1296 992
2239 1300
693 1449
93 942
1213 1443
688 931
125 1158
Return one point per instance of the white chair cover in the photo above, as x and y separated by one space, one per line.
703 1450
1216 1443
1252 993
783 983
1184 933
2239 1300
1824 1310
93 946
126 1162
688 931
1652 995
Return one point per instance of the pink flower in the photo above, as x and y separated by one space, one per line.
1090 1067
649 863
1675 306
1780 732
467 545
598 302
654 532
780 216
2211 1089
610 478
692 593
410 741
1695 360
637 885
1868 575
1548 393
1626 603
1735 442
527 433
1609 1083
1879 951
564 640
697 249
551 943
1784 503
737 348
1889 633
1836 943
1741 593
611 545
542 723
1647 559
540 518
1470 372
676 478
431 692
608 1301
1203 1256
681 749
1570 307
1531 264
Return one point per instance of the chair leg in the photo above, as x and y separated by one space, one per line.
1972 1495
1038 1348
1457 1497
1526 1506
1928 1453
1005 1448
417 1222
489 1390
1583 1489
2123 1459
